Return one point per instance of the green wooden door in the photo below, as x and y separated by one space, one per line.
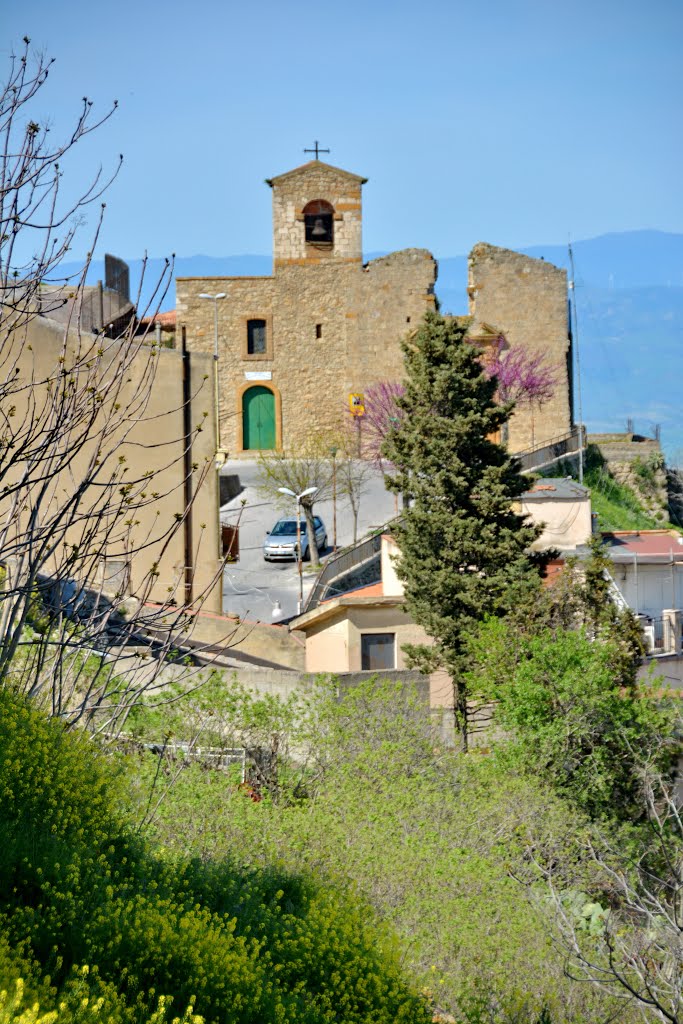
258 418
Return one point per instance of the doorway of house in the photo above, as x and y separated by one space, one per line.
258 419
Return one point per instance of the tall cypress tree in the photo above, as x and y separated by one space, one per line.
463 550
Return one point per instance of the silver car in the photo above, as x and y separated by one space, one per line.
281 541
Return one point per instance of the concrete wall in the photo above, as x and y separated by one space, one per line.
270 645
392 586
526 299
135 431
566 524
625 447
663 672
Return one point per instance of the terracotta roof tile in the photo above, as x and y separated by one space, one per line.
166 319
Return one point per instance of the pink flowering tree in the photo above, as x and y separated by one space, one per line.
523 377
382 415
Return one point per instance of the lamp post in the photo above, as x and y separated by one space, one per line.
333 453
215 299
298 497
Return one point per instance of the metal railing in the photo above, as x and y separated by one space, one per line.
654 631
341 565
556 448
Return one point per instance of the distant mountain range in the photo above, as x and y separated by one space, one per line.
629 291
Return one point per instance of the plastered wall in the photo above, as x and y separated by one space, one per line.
149 440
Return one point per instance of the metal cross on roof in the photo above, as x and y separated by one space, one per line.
317 149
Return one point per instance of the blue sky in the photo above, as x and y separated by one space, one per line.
517 122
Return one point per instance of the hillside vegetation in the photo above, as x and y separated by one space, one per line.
365 873
617 505
97 925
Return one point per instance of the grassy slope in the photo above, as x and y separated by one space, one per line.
617 506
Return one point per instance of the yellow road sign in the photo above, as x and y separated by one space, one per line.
357 405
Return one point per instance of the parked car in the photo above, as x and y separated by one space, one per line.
280 542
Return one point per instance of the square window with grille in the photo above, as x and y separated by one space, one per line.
378 651
256 337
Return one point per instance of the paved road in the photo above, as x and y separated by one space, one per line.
253 588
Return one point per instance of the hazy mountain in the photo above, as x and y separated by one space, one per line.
629 290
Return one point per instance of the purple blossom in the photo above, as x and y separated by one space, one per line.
523 377
382 415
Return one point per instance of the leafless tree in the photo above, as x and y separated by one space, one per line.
627 936
353 474
309 467
82 484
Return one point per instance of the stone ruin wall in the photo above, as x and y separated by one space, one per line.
527 300
392 296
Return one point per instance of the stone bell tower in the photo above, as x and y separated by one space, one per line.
317 216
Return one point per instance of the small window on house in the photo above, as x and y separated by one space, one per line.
318 331
407 319
256 337
378 651
319 222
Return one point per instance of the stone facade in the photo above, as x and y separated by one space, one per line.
326 325
638 462
333 326
526 300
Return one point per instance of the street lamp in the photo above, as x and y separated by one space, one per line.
309 490
333 453
214 299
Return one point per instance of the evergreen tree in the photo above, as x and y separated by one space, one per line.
463 550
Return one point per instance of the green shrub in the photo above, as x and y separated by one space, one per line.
78 886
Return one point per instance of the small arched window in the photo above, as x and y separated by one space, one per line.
319 222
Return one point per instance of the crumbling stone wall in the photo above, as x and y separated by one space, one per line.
394 294
335 326
332 329
525 299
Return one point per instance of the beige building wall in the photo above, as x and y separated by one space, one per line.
144 435
526 299
333 640
392 586
566 524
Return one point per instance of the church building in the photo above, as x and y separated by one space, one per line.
293 347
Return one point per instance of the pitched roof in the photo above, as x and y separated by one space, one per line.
371 590
318 165
364 597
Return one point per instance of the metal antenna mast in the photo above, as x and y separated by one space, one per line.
575 339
